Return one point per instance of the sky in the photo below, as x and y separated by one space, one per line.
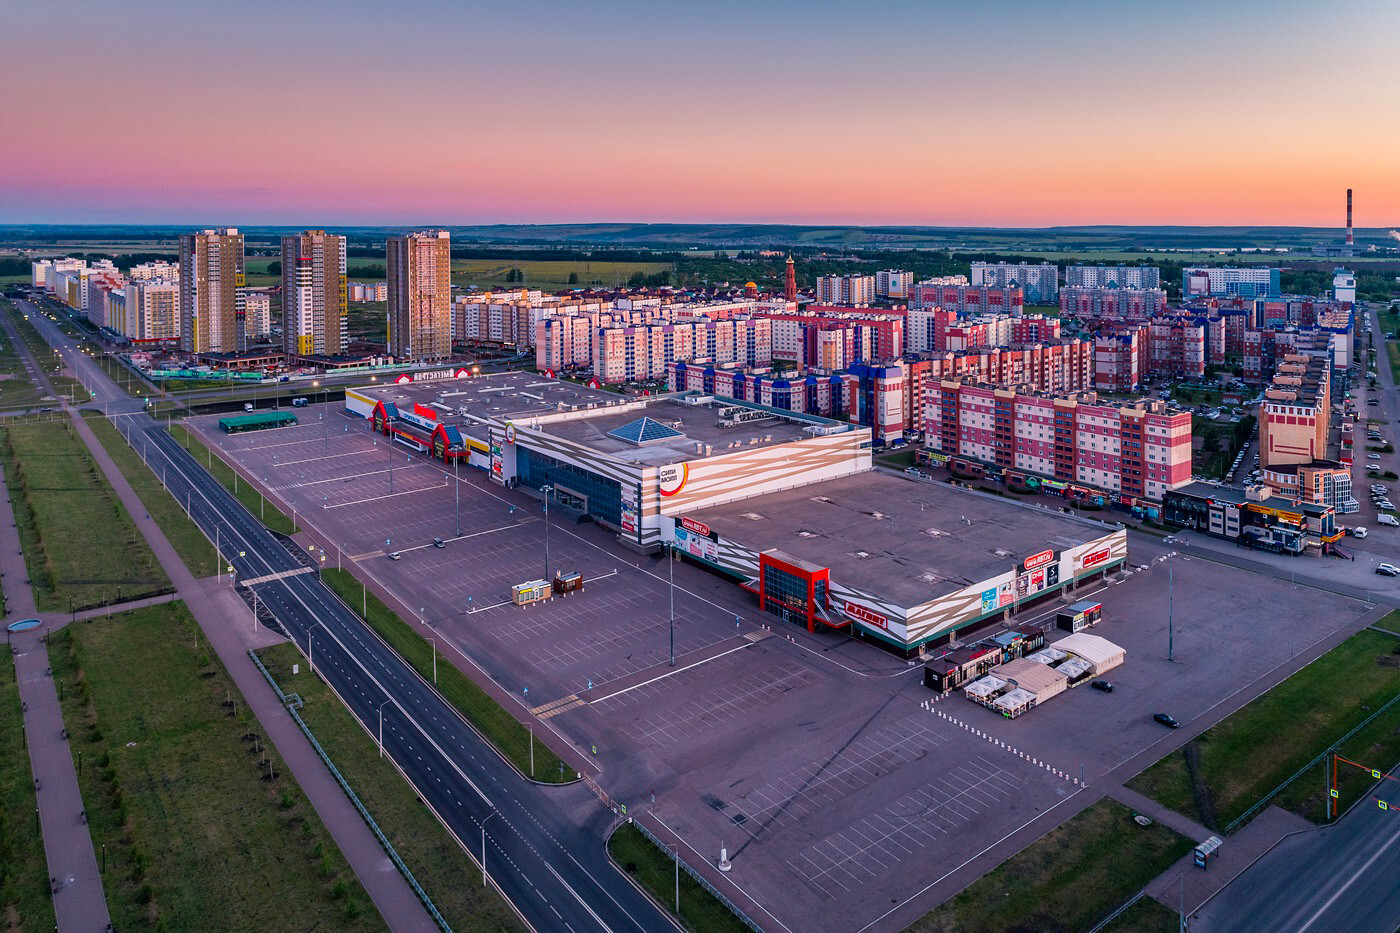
988 113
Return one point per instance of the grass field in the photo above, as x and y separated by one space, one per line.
252 499
367 320
901 459
1069 879
1222 773
1145 916
427 848
184 535
25 902
175 784
655 870
499 727
1392 349
46 356
79 543
550 275
16 388
1047 310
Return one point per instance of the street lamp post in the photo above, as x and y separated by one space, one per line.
457 490
483 845
548 491
1171 632
381 726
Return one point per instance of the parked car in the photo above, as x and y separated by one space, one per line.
1167 719
1104 685
1373 456
438 542
1359 531
1390 520
1388 570
395 555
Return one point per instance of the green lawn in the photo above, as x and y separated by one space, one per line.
367 320
549 274
1147 915
16 389
500 728
901 459
252 499
427 848
25 902
1226 770
184 535
1392 349
1047 310
79 543
655 870
1069 879
175 782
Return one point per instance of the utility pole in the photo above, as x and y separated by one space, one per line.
547 490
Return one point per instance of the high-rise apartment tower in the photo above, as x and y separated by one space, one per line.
420 296
211 291
313 293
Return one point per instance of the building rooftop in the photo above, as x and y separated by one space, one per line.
908 540
678 429
493 395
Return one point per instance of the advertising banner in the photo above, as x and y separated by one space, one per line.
989 599
697 546
629 519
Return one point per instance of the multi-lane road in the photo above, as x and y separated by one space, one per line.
543 847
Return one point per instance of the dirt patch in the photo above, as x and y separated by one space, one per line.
1200 793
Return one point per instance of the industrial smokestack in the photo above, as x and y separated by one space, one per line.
1351 241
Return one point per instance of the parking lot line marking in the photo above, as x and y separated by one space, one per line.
392 495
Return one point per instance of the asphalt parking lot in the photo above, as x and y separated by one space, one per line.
820 763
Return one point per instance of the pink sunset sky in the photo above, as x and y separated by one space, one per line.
1000 113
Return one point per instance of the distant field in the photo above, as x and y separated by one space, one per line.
551 275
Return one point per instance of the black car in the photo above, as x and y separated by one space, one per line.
1167 719
1104 685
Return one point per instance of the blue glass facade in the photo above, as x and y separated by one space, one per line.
604 495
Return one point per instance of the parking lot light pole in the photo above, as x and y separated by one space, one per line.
546 490
457 490
1171 632
672 573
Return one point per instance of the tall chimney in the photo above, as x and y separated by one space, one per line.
1351 241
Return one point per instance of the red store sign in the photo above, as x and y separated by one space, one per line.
700 528
857 611
1038 560
1094 558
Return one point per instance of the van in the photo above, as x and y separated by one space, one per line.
299 403
247 406
1390 520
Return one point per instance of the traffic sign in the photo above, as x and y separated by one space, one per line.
1335 795
1384 805
1375 774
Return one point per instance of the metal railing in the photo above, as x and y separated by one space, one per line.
743 917
293 702
1303 770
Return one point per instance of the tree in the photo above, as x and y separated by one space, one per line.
274 267
573 278
515 275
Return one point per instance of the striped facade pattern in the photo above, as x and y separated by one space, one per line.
910 627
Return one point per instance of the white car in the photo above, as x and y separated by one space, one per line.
1373 456
1359 531
1389 570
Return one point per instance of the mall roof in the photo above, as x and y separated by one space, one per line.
906 540
492 395
680 429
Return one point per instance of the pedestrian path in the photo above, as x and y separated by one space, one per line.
78 899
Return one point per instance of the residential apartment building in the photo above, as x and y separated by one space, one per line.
1039 282
637 353
1136 451
1092 304
937 330
1060 367
1295 414
314 294
155 269
419 268
212 279
257 316
849 290
42 270
967 299
1176 347
834 338
1120 360
1247 281
150 311
363 292
1321 482
893 284
1113 277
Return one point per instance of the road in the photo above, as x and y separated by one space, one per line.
552 866
1338 878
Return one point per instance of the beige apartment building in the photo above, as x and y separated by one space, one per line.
212 277
313 293
420 296
151 312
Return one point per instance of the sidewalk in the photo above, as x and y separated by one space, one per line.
1235 854
78 900
228 624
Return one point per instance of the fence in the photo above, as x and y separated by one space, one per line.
293 702
743 917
